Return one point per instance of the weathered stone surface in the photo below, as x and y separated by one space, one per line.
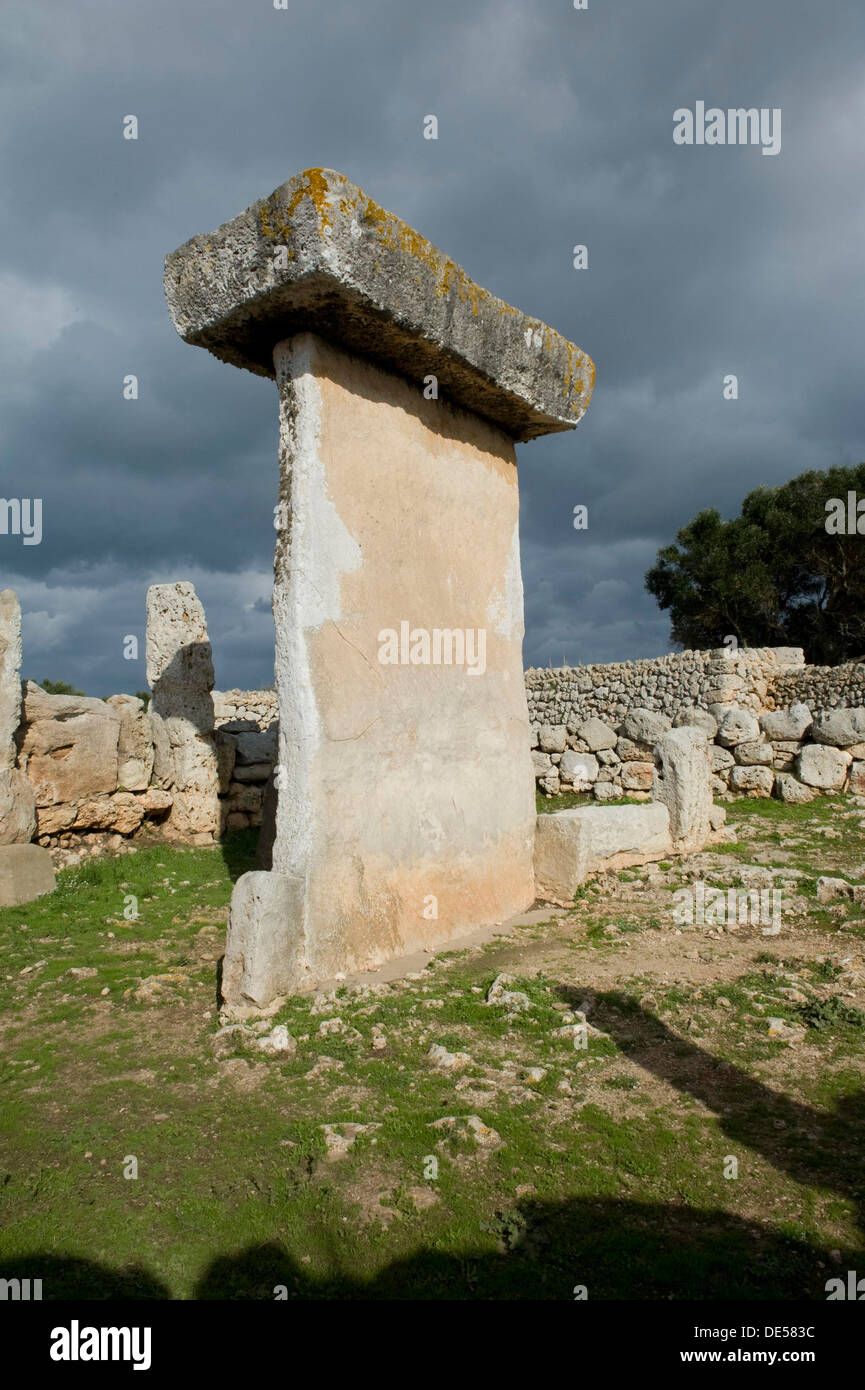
786 724
257 746
264 946
180 674
541 763
17 808
581 769
351 315
605 791
553 738
362 738
720 759
243 796
645 726
10 677
819 765
226 756
155 799
17 802
629 751
857 779
267 833
596 735
637 776
37 704
361 278
570 845
697 718
122 812
752 779
831 889
755 754
163 763
69 746
26 872
681 783
339 1139
51 820
738 726
252 772
839 728
134 744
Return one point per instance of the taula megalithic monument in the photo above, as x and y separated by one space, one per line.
405 797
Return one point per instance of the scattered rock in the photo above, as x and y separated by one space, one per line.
782 1031
443 1060
339 1138
513 1001
830 889
471 1126
278 1043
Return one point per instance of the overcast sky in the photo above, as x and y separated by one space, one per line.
555 129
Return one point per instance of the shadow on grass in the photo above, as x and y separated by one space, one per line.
814 1147
616 1249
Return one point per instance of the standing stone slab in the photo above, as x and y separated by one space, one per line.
17 802
26 872
572 845
10 675
681 782
180 674
404 810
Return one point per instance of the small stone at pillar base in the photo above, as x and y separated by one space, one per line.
26 872
263 953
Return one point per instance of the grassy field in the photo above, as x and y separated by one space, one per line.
609 1166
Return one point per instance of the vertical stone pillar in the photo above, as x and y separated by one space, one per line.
180 675
17 801
405 810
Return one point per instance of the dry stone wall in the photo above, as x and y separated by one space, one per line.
822 687
78 773
776 726
247 725
668 684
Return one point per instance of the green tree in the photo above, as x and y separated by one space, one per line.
59 688
772 576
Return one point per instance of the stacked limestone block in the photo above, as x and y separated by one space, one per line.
90 766
790 753
593 756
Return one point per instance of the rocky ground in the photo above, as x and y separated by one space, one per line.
612 1098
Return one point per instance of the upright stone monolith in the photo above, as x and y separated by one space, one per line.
405 810
17 801
180 675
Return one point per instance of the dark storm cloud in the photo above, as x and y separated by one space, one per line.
555 129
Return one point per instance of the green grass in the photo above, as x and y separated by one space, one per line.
567 801
610 1166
